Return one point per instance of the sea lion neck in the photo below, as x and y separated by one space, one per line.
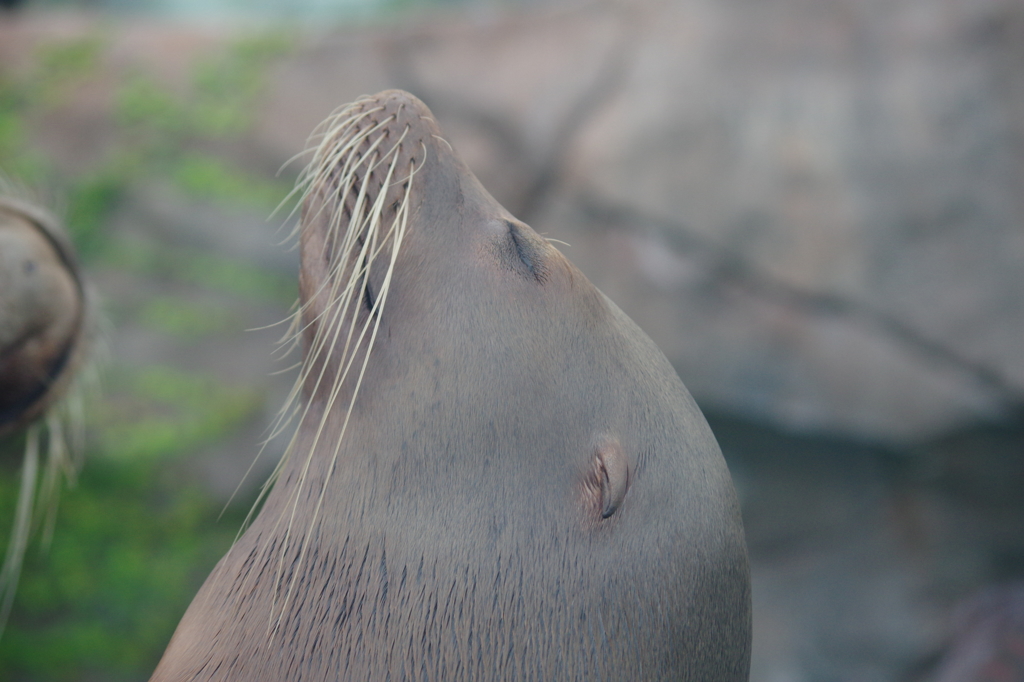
495 476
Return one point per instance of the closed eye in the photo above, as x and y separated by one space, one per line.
368 298
526 251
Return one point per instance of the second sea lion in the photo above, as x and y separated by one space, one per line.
44 337
42 312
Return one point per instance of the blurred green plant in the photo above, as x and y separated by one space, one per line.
204 269
134 539
210 178
64 64
19 161
91 200
186 319
226 86
133 543
161 412
161 136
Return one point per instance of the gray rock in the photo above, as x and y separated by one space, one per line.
812 208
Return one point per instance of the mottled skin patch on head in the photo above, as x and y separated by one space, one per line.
512 484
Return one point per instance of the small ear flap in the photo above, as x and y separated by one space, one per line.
612 470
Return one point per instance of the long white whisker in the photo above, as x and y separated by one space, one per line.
337 194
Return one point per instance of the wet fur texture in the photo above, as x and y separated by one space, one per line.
509 481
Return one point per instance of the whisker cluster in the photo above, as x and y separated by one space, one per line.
364 232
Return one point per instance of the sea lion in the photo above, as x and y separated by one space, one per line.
42 312
495 476
44 337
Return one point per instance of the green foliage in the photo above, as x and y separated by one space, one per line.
57 67
204 269
237 277
162 136
62 64
162 412
225 87
134 539
183 318
148 111
219 103
132 543
18 160
91 199
211 179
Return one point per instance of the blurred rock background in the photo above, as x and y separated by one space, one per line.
814 207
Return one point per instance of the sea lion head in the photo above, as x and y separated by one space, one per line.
42 312
496 474
43 340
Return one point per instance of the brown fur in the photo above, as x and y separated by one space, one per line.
520 488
